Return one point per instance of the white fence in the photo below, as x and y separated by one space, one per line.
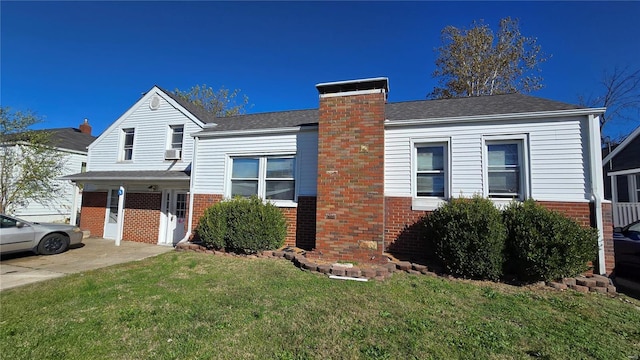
625 213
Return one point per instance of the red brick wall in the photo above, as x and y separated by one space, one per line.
300 220
200 203
402 234
93 211
142 217
350 201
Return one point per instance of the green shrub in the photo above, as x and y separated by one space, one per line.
467 237
242 225
545 245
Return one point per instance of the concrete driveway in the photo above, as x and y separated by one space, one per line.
94 253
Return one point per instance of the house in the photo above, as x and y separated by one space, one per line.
353 176
622 179
71 144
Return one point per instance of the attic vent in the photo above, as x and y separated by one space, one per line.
154 102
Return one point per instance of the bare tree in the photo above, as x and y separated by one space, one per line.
29 165
620 93
221 102
475 61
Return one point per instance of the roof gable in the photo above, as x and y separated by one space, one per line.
174 101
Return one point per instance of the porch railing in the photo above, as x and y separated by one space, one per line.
625 213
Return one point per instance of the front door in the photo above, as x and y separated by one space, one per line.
175 212
111 217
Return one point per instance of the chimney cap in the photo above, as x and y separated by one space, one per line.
354 85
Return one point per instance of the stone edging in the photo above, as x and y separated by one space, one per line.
583 284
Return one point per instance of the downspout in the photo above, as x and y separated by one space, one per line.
194 156
595 159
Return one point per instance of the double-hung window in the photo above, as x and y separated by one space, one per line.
177 134
431 174
127 147
269 177
506 169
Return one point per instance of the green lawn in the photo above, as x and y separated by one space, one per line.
198 306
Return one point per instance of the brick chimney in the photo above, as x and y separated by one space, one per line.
85 128
350 196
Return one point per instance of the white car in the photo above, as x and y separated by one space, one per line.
47 239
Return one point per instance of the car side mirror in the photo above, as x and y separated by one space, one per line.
617 229
19 224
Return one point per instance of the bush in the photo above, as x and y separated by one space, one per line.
467 237
545 245
242 225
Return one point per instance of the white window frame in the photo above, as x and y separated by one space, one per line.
262 176
430 202
123 139
634 187
523 157
171 132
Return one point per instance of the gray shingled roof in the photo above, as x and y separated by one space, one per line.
64 138
410 110
143 175
197 111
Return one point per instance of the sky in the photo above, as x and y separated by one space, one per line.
68 61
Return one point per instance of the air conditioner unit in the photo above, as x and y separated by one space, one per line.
173 154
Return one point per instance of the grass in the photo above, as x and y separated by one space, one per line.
197 306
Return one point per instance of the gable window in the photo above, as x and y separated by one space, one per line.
177 133
269 177
505 168
127 148
431 175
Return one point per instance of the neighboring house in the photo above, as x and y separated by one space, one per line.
622 179
71 144
351 177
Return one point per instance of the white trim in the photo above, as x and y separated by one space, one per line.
352 93
354 81
522 141
509 116
55 148
622 145
285 130
625 172
262 171
430 202
143 102
120 214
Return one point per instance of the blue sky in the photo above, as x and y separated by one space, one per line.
73 60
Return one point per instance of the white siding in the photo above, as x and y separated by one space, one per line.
556 156
209 175
150 140
59 208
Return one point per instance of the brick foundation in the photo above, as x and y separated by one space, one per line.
142 217
93 211
300 220
403 237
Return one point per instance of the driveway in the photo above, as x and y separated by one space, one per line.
94 253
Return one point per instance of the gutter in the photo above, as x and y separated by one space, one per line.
595 160
511 116
194 158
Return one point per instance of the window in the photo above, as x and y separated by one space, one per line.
505 169
430 170
636 190
83 167
6 222
127 148
269 177
113 206
176 132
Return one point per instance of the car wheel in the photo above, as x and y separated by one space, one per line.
53 244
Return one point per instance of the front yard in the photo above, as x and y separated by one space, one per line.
198 306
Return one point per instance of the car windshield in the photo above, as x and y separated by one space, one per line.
635 227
